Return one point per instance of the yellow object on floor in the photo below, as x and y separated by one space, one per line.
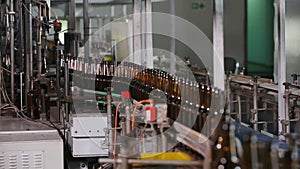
166 156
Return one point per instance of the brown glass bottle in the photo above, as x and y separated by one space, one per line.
208 98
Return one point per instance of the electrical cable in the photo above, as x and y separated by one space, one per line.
5 97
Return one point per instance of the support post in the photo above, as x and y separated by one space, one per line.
28 49
137 39
218 45
149 41
173 40
282 115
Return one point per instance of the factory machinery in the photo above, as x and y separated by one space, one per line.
101 113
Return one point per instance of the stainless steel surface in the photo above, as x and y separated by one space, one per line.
86 134
88 125
11 125
218 45
29 145
282 116
88 147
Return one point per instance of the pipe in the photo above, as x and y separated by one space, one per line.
86 26
38 41
153 162
239 108
109 122
281 64
127 126
173 40
285 122
66 90
21 54
163 139
58 66
218 44
21 90
28 49
12 46
255 115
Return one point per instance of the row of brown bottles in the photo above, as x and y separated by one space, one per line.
104 66
188 101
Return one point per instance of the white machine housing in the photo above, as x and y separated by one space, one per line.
86 135
26 145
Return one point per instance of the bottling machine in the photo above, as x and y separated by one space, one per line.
60 109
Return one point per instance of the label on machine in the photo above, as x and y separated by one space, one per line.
150 114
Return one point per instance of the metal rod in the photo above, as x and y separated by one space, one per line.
38 41
218 45
149 39
137 25
66 90
86 28
109 122
285 123
12 54
21 45
255 112
21 90
153 162
281 65
128 126
239 108
163 139
173 40
28 48
143 34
